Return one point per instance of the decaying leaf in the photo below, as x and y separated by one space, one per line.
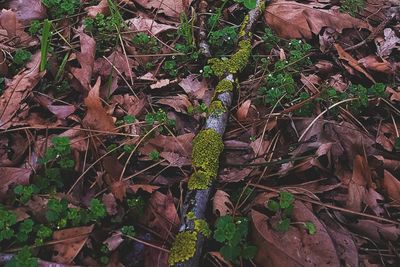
222 205
143 24
71 242
13 176
291 19
19 88
170 8
96 116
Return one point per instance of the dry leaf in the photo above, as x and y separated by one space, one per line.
193 87
145 187
391 186
19 88
28 10
110 203
243 110
179 103
171 8
114 241
86 60
390 42
75 239
118 189
352 62
375 63
222 205
290 19
143 24
101 8
13 176
96 116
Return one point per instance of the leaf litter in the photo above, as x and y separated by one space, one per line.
95 151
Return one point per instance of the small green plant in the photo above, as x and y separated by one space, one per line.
23 258
42 233
21 56
128 230
270 39
35 27
170 67
278 85
201 108
232 232
145 43
223 40
154 155
250 4
24 192
136 204
283 209
58 9
353 7
159 117
7 220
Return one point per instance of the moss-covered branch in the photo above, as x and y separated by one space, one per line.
207 147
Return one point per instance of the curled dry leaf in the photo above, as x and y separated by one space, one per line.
294 247
28 10
385 46
12 32
175 160
230 175
101 8
193 87
377 232
144 24
290 19
71 241
243 110
13 176
352 62
110 203
171 8
222 205
391 185
86 60
21 85
375 63
96 116
180 103
114 241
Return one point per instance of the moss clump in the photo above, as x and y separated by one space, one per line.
183 247
216 108
201 226
224 86
242 31
207 147
236 63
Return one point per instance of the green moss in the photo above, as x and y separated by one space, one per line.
242 31
216 108
207 147
183 247
224 86
236 63
201 226
199 180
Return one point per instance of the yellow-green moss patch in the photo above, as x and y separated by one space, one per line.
216 108
183 247
242 31
207 147
201 226
236 63
224 86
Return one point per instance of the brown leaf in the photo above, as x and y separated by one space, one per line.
180 103
385 46
13 176
377 232
145 187
193 87
28 10
114 241
171 8
86 60
144 24
110 203
119 62
96 116
391 186
375 63
100 8
175 160
181 144
352 62
118 189
71 242
233 175
290 19
295 247
243 110
222 205
19 88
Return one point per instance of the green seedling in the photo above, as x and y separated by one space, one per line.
170 67
23 258
283 208
128 230
353 7
7 221
270 39
58 9
154 155
223 40
21 57
45 44
250 4
35 27
24 193
232 233
159 117
145 43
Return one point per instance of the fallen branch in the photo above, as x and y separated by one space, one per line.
207 147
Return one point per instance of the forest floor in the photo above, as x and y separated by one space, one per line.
100 102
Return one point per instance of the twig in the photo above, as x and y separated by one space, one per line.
196 200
